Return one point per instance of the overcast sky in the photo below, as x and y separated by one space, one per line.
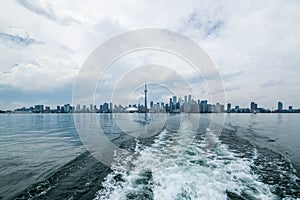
255 46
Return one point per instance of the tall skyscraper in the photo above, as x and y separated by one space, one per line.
78 107
146 108
151 104
171 105
190 99
252 106
280 106
174 99
228 108
39 108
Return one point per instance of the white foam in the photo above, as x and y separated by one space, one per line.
181 169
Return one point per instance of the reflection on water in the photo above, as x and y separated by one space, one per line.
255 157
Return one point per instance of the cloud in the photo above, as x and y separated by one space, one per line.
231 75
7 38
41 75
45 9
208 27
249 41
15 98
271 83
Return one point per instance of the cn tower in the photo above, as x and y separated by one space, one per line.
146 109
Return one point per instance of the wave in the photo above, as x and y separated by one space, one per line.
171 169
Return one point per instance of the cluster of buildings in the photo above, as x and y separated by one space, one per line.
67 108
175 105
290 109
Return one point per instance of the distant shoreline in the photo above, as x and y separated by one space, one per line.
29 113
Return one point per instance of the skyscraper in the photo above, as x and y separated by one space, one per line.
228 108
146 108
151 104
78 107
252 106
174 99
280 106
171 105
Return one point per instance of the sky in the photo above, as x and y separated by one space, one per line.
254 45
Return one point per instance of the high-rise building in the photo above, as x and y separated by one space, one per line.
47 109
105 108
237 109
219 108
67 108
78 108
253 106
171 105
162 105
146 108
151 104
280 106
39 108
185 99
203 107
228 108
110 107
190 99
174 99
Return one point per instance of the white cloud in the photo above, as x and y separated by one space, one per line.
251 42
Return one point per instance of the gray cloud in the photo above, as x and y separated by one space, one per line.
250 42
271 83
46 11
208 27
229 89
228 76
15 39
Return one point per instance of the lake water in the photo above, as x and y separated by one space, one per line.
255 157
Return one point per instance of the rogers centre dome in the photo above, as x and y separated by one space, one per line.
131 109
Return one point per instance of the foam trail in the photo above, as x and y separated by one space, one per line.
175 166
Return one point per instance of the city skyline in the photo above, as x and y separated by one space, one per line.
176 104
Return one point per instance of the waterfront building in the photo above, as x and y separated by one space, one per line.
47 109
174 99
228 108
39 108
219 108
203 107
145 91
280 106
190 98
78 108
67 108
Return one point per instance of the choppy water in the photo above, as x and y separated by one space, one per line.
255 157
